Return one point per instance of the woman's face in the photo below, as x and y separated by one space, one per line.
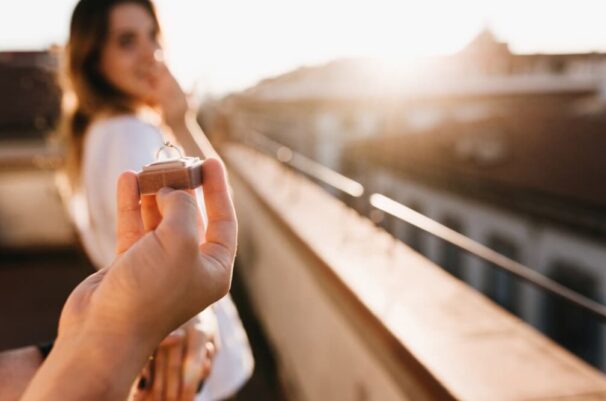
131 55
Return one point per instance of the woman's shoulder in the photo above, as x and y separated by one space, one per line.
115 144
122 129
121 122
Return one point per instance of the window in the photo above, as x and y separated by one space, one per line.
568 325
500 285
452 258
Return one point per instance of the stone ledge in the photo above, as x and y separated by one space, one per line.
436 337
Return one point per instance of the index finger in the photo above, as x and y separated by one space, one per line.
149 212
129 225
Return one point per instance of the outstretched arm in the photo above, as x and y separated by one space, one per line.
160 280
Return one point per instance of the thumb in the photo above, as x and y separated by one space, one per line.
179 212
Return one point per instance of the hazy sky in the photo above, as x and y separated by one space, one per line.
230 44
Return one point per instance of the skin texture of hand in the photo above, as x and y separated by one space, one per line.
161 279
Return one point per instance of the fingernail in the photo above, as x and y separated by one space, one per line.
165 190
142 383
200 385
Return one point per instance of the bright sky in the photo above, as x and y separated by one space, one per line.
224 45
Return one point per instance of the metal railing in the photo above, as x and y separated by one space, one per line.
387 205
308 166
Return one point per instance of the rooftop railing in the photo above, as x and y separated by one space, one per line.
390 206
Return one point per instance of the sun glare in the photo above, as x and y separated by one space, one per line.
269 37
230 44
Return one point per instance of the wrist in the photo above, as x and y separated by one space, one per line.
98 362
113 353
98 367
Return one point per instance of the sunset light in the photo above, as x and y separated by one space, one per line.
231 44
333 200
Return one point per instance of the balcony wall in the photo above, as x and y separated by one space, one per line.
31 211
355 315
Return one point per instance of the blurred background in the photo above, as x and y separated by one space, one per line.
486 118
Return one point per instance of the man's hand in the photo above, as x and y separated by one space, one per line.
163 277
160 280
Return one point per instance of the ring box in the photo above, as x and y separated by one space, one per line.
180 173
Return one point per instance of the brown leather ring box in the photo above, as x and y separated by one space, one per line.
182 173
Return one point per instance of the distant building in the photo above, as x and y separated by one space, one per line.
30 105
504 148
31 211
487 56
346 99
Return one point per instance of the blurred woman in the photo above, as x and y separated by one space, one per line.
124 104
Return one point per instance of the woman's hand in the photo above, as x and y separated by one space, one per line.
170 97
181 363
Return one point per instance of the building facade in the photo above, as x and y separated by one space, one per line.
503 148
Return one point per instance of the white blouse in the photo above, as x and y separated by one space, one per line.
113 145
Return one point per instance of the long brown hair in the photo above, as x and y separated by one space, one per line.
86 89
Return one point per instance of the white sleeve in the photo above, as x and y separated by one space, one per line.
112 147
129 147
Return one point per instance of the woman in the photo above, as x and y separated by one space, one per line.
125 104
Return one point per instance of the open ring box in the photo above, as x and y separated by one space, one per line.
178 173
